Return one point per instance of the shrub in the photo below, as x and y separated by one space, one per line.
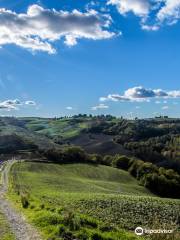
134 167
83 235
72 221
97 236
45 218
75 154
42 206
107 160
96 158
61 229
121 162
24 201
89 221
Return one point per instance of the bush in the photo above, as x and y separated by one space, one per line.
134 167
121 162
61 229
107 160
83 235
88 221
96 158
97 236
67 155
75 154
24 201
72 221
45 218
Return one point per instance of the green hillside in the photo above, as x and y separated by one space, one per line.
15 136
104 196
65 128
75 178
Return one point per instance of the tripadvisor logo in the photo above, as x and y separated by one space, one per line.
140 231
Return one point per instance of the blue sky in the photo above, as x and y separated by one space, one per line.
108 58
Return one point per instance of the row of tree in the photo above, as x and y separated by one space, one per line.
161 181
163 151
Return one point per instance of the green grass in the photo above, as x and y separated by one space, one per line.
108 197
5 232
65 128
77 178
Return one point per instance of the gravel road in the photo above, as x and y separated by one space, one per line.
19 226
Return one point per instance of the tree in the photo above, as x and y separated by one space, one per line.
121 162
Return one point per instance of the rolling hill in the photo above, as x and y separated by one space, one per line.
104 196
78 198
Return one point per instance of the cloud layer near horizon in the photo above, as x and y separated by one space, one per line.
39 27
100 106
14 104
140 94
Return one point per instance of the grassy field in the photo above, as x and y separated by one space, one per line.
90 202
66 128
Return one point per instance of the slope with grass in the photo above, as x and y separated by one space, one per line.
65 128
75 131
15 136
87 200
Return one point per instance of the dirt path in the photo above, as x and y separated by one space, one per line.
21 229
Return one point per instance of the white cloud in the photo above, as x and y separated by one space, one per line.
149 27
69 108
165 107
170 11
158 102
100 106
153 13
32 103
138 7
14 104
175 94
140 94
10 104
39 27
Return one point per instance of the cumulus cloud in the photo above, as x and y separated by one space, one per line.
14 104
10 104
170 11
141 94
100 106
138 7
38 28
153 13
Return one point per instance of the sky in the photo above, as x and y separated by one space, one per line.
62 57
